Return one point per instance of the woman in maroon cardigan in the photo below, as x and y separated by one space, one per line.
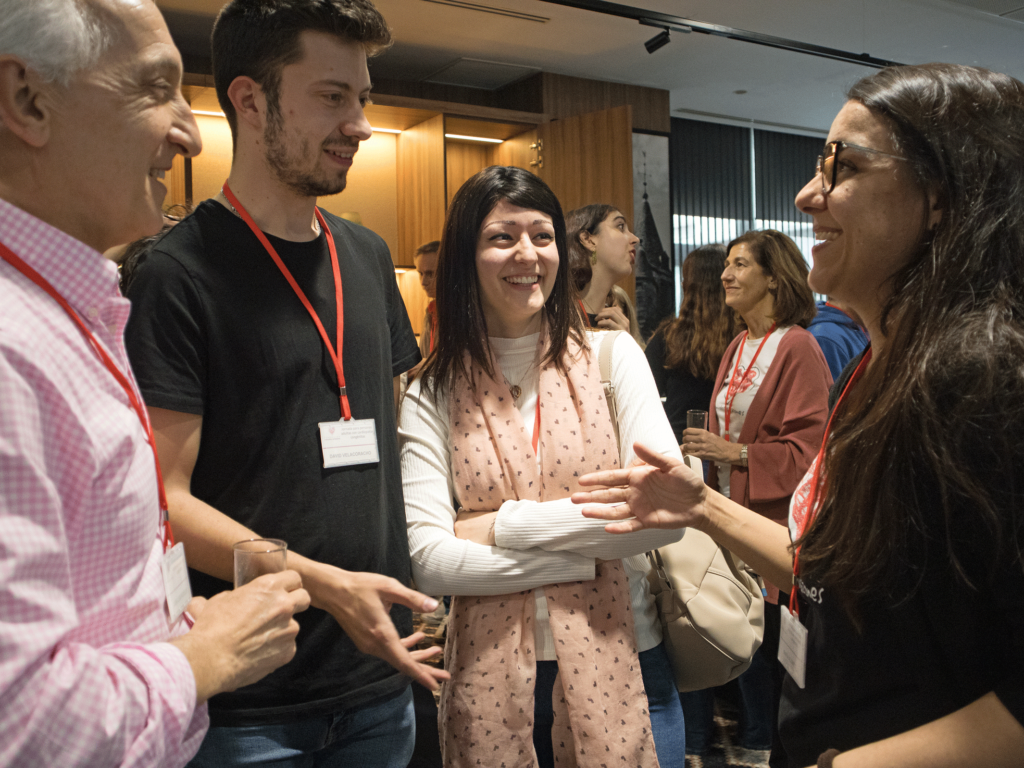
766 421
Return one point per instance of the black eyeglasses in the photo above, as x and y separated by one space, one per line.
829 168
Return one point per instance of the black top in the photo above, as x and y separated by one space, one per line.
216 330
945 647
681 389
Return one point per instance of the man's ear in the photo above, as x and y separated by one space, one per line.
249 102
25 102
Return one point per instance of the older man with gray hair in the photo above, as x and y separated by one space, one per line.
97 664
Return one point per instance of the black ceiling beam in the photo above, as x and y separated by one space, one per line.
680 24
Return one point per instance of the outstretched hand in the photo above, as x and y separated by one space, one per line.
660 493
361 604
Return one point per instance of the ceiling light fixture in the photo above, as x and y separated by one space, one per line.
678 23
386 130
472 138
206 112
657 42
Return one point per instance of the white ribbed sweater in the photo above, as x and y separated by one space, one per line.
537 543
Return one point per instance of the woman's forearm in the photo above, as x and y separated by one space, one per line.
983 733
761 543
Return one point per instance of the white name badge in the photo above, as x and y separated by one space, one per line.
793 646
176 586
346 443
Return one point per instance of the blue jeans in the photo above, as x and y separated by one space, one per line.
667 724
372 737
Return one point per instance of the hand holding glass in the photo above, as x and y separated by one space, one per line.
256 557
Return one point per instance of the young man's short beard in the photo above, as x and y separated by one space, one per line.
303 182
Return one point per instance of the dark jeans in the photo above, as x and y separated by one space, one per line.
667 724
760 688
380 736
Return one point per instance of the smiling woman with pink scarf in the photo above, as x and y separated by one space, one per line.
554 645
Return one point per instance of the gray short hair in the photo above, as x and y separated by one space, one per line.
56 38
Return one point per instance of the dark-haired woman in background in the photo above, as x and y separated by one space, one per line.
906 536
552 626
602 251
685 351
766 422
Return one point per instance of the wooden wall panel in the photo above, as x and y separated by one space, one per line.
589 159
463 160
210 168
516 151
371 195
421 187
415 298
565 96
175 183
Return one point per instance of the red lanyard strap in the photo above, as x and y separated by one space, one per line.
819 481
15 261
536 425
734 383
586 317
336 356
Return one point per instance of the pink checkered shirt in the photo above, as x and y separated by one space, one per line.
85 679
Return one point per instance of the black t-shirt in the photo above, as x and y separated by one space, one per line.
216 330
911 663
681 389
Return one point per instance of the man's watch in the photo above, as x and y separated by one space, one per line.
743 455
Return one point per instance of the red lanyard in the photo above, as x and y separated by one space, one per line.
734 383
9 256
817 481
586 317
336 357
536 425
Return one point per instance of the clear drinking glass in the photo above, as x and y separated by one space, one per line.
256 557
696 419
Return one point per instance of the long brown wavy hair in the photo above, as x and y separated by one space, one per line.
923 462
697 338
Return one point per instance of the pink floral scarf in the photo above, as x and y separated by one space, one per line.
486 715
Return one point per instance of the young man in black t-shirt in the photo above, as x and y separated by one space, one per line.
249 378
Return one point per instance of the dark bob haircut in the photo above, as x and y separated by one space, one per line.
460 319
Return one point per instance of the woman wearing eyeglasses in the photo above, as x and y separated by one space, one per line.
905 645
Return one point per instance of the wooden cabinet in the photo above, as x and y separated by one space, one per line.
403 179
